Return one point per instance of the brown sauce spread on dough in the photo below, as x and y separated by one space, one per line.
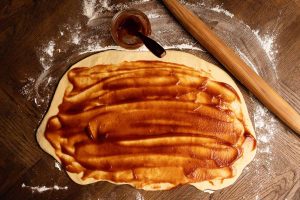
147 122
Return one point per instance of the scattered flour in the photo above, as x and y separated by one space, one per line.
209 191
247 60
57 165
93 8
41 189
76 38
268 43
266 125
206 5
75 34
89 7
97 48
139 196
184 47
152 15
50 48
106 6
46 54
219 9
26 90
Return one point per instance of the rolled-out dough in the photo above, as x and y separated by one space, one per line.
115 57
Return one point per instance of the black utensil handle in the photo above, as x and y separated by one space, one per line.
152 45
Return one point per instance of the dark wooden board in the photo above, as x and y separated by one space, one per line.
27 27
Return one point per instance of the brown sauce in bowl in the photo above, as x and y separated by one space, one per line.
124 26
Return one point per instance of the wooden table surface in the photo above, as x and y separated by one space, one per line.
39 40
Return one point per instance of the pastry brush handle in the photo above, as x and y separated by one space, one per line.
234 64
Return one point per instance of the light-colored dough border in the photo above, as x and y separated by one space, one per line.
115 57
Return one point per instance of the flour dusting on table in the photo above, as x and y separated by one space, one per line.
219 9
268 44
57 165
209 191
89 7
41 189
266 127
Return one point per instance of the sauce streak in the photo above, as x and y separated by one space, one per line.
147 122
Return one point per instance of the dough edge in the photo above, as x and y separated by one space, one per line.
115 57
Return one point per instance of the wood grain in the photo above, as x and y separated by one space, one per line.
27 25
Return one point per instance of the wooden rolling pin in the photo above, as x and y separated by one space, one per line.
234 64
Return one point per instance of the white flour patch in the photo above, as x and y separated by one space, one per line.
97 48
34 86
183 47
43 80
44 62
268 43
89 7
57 165
264 138
76 34
41 189
261 113
141 1
219 9
139 196
152 15
46 54
206 5
266 125
50 48
76 38
186 3
93 8
105 5
209 191
247 60
26 90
